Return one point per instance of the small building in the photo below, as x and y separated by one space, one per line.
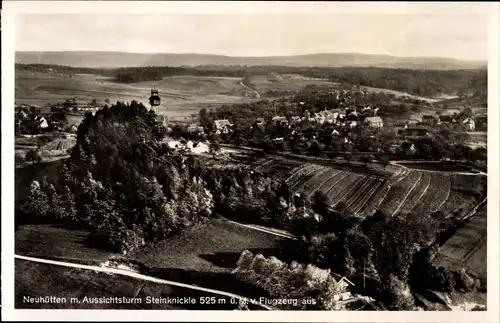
430 120
408 148
412 122
260 122
279 121
195 129
295 119
352 124
41 122
400 126
21 114
447 118
375 122
414 132
468 122
222 126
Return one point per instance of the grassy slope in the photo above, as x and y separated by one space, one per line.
203 255
467 247
34 279
214 247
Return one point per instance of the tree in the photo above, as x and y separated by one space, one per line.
33 156
214 147
320 203
315 148
384 159
365 159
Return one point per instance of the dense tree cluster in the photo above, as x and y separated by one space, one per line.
311 287
122 181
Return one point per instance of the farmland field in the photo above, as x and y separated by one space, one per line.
182 95
436 195
290 82
407 191
399 192
467 247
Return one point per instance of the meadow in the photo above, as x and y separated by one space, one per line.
181 95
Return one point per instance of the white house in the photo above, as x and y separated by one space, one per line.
469 123
279 120
42 122
375 122
222 126
194 128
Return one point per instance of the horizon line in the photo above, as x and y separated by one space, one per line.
259 56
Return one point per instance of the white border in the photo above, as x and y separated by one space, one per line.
11 8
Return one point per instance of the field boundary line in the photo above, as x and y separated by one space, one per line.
408 194
306 176
349 190
363 188
374 191
136 275
318 175
336 182
423 193
448 177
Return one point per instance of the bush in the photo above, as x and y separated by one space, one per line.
294 281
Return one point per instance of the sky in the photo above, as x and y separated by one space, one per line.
440 35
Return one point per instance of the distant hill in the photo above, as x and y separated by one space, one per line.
121 59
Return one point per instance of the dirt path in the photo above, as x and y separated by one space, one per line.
275 232
130 273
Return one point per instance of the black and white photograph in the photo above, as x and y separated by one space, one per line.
260 161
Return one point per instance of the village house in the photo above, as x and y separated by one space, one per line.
468 122
41 122
408 148
222 126
412 122
447 118
278 120
260 122
195 129
414 133
375 122
319 118
295 120
430 120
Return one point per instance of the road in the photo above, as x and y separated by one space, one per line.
130 273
